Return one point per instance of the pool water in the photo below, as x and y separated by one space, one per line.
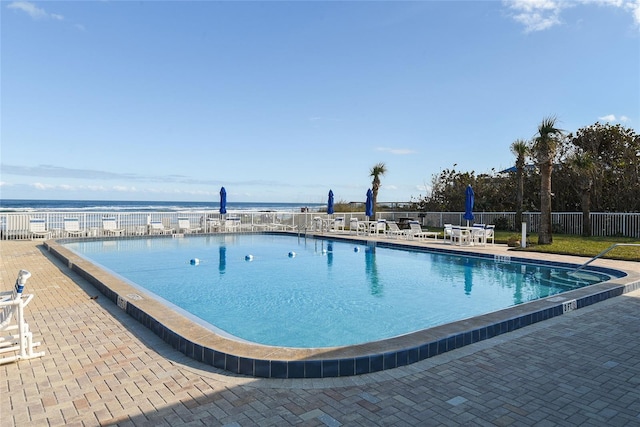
310 293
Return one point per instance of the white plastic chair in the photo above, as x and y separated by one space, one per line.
16 340
38 228
395 231
157 227
459 236
478 234
356 226
448 233
184 226
110 227
72 227
338 224
489 233
232 223
415 231
381 227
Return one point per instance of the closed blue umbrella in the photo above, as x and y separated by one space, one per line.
223 201
330 203
468 204
368 206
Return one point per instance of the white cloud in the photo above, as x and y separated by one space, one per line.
608 118
539 15
536 15
41 186
33 11
401 151
125 189
612 118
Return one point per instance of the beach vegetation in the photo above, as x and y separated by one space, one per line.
596 169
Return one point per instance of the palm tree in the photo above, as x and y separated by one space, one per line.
376 172
544 147
520 149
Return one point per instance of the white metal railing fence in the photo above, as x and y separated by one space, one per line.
603 224
16 225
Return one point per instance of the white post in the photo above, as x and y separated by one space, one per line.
523 238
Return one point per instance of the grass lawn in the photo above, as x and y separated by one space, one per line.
577 245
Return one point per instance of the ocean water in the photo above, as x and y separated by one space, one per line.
18 205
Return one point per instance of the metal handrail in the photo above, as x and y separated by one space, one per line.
601 254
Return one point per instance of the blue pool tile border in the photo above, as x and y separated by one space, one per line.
361 364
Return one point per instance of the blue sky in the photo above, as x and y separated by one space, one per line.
282 101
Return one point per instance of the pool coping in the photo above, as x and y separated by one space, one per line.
204 345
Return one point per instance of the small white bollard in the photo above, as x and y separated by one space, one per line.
523 238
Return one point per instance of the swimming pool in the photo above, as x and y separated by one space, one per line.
191 336
302 292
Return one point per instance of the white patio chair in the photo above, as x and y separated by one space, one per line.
38 228
16 340
356 226
478 234
72 227
489 233
380 226
448 233
459 236
232 223
184 226
110 227
337 224
317 223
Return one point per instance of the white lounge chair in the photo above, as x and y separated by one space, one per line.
184 226
394 230
72 227
16 340
110 227
416 232
157 227
38 228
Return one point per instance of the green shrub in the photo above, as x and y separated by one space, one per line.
502 223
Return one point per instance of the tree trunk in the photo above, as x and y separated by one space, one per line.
519 198
545 236
374 199
585 196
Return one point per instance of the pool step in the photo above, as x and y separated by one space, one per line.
569 280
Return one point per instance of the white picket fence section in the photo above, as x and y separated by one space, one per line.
16 225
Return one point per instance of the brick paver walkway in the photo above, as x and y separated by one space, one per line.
103 368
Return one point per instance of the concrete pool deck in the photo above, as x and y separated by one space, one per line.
102 368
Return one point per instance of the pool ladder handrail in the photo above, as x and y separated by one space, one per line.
615 245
